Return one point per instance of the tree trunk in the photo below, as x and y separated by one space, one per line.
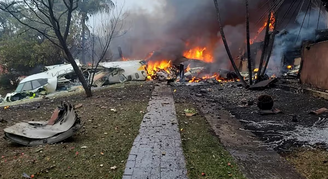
264 49
84 17
271 45
250 70
226 45
78 72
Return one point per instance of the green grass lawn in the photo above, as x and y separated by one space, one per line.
205 156
99 150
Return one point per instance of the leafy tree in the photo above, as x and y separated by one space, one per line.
19 54
91 7
15 54
55 23
52 19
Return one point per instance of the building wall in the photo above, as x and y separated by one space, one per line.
315 65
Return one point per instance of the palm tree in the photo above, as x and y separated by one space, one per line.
91 7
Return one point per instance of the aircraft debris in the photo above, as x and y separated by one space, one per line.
63 124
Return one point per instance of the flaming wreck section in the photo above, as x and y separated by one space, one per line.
193 67
172 37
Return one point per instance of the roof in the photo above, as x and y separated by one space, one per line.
36 76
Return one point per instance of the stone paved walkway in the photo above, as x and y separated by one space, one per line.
157 152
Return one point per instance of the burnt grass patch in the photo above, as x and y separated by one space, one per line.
311 163
272 129
283 132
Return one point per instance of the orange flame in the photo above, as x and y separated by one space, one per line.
271 26
194 80
188 68
215 76
154 67
149 55
198 53
125 59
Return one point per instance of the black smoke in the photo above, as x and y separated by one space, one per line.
178 25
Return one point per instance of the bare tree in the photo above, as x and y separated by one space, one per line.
248 45
52 19
91 7
111 26
227 46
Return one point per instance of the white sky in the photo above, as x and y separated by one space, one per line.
131 4
148 5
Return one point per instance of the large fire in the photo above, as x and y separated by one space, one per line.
271 25
199 53
155 66
214 76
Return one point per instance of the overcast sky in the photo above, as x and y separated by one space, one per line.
144 4
148 5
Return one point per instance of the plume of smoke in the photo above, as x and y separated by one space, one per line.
178 25
292 38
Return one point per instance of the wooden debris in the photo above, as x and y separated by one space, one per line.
319 111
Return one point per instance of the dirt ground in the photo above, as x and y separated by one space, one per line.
286 133
104 141
272 129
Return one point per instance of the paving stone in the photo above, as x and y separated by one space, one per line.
141 172
170 174
134 150
127 177
156 151
155 173
132 157
129 168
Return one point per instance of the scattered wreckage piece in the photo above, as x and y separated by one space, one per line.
63 124
166 75
194 72
133 70
319 111
198 74
104 75
42 83
263 84
293 72
162 75
265 102
31 85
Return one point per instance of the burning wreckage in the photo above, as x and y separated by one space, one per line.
62 77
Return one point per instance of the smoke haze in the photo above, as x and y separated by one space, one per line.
292 37
179 25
